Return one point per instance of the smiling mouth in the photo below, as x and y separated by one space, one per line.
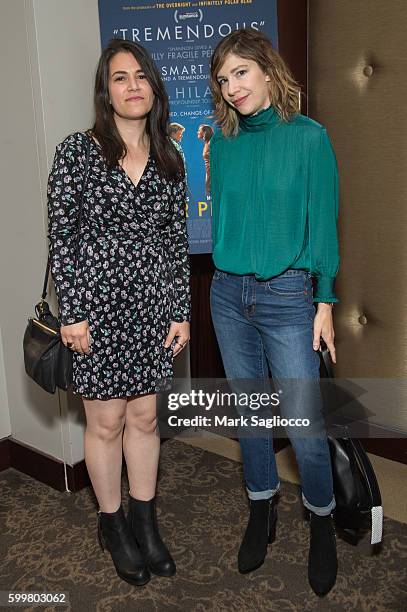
239 101
134 98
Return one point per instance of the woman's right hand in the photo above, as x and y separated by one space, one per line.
77 337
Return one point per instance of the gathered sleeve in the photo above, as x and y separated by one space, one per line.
323 202
64 191
178 248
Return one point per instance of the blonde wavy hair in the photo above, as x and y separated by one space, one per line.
253 45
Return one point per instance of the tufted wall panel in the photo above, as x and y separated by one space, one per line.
358 90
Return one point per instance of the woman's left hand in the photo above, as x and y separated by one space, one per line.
324 327
179 331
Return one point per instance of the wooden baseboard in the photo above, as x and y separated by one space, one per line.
38 465
77 476
389 448
381 441
4 454
42 467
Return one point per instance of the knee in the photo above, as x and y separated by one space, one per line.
106 430
310 450
143 423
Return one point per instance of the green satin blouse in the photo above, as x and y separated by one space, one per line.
274 190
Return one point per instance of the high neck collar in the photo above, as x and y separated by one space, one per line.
261 121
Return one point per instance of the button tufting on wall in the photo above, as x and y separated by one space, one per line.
362 319
368 71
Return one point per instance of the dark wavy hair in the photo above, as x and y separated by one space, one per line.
168 159
207 130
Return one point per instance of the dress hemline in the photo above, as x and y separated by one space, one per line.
165 386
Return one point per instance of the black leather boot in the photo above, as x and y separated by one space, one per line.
260 531
115 535
143 521
322 561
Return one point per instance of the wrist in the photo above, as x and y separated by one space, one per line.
325 305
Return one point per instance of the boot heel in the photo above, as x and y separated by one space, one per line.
272 534
272 526
100 537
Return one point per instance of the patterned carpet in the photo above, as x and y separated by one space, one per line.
48 542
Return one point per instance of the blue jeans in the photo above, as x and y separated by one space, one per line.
271 323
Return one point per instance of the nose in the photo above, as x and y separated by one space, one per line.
133 82
233 87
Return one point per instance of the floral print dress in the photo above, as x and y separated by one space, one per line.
131 277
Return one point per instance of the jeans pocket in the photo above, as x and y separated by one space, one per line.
218 275
294 283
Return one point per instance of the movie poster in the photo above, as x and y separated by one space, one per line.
181 37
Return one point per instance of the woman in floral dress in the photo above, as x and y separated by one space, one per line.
124 296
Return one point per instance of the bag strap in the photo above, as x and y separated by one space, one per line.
326 358
45 285
367 469
364 464
48 267
370 480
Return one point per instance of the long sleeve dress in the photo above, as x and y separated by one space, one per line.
131 277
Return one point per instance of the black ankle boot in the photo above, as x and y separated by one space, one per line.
260 531
143 521
115 535
322 561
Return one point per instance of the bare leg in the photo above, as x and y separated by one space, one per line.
103 449
141 446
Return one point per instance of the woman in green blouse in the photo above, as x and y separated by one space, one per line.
274 189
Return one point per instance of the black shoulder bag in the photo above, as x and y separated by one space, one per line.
47 360
356 488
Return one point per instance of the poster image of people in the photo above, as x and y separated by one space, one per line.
181 37
176 131
205 133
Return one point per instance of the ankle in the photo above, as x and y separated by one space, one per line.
321 519
142 497
109 508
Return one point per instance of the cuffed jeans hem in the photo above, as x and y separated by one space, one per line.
319 510
255 495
